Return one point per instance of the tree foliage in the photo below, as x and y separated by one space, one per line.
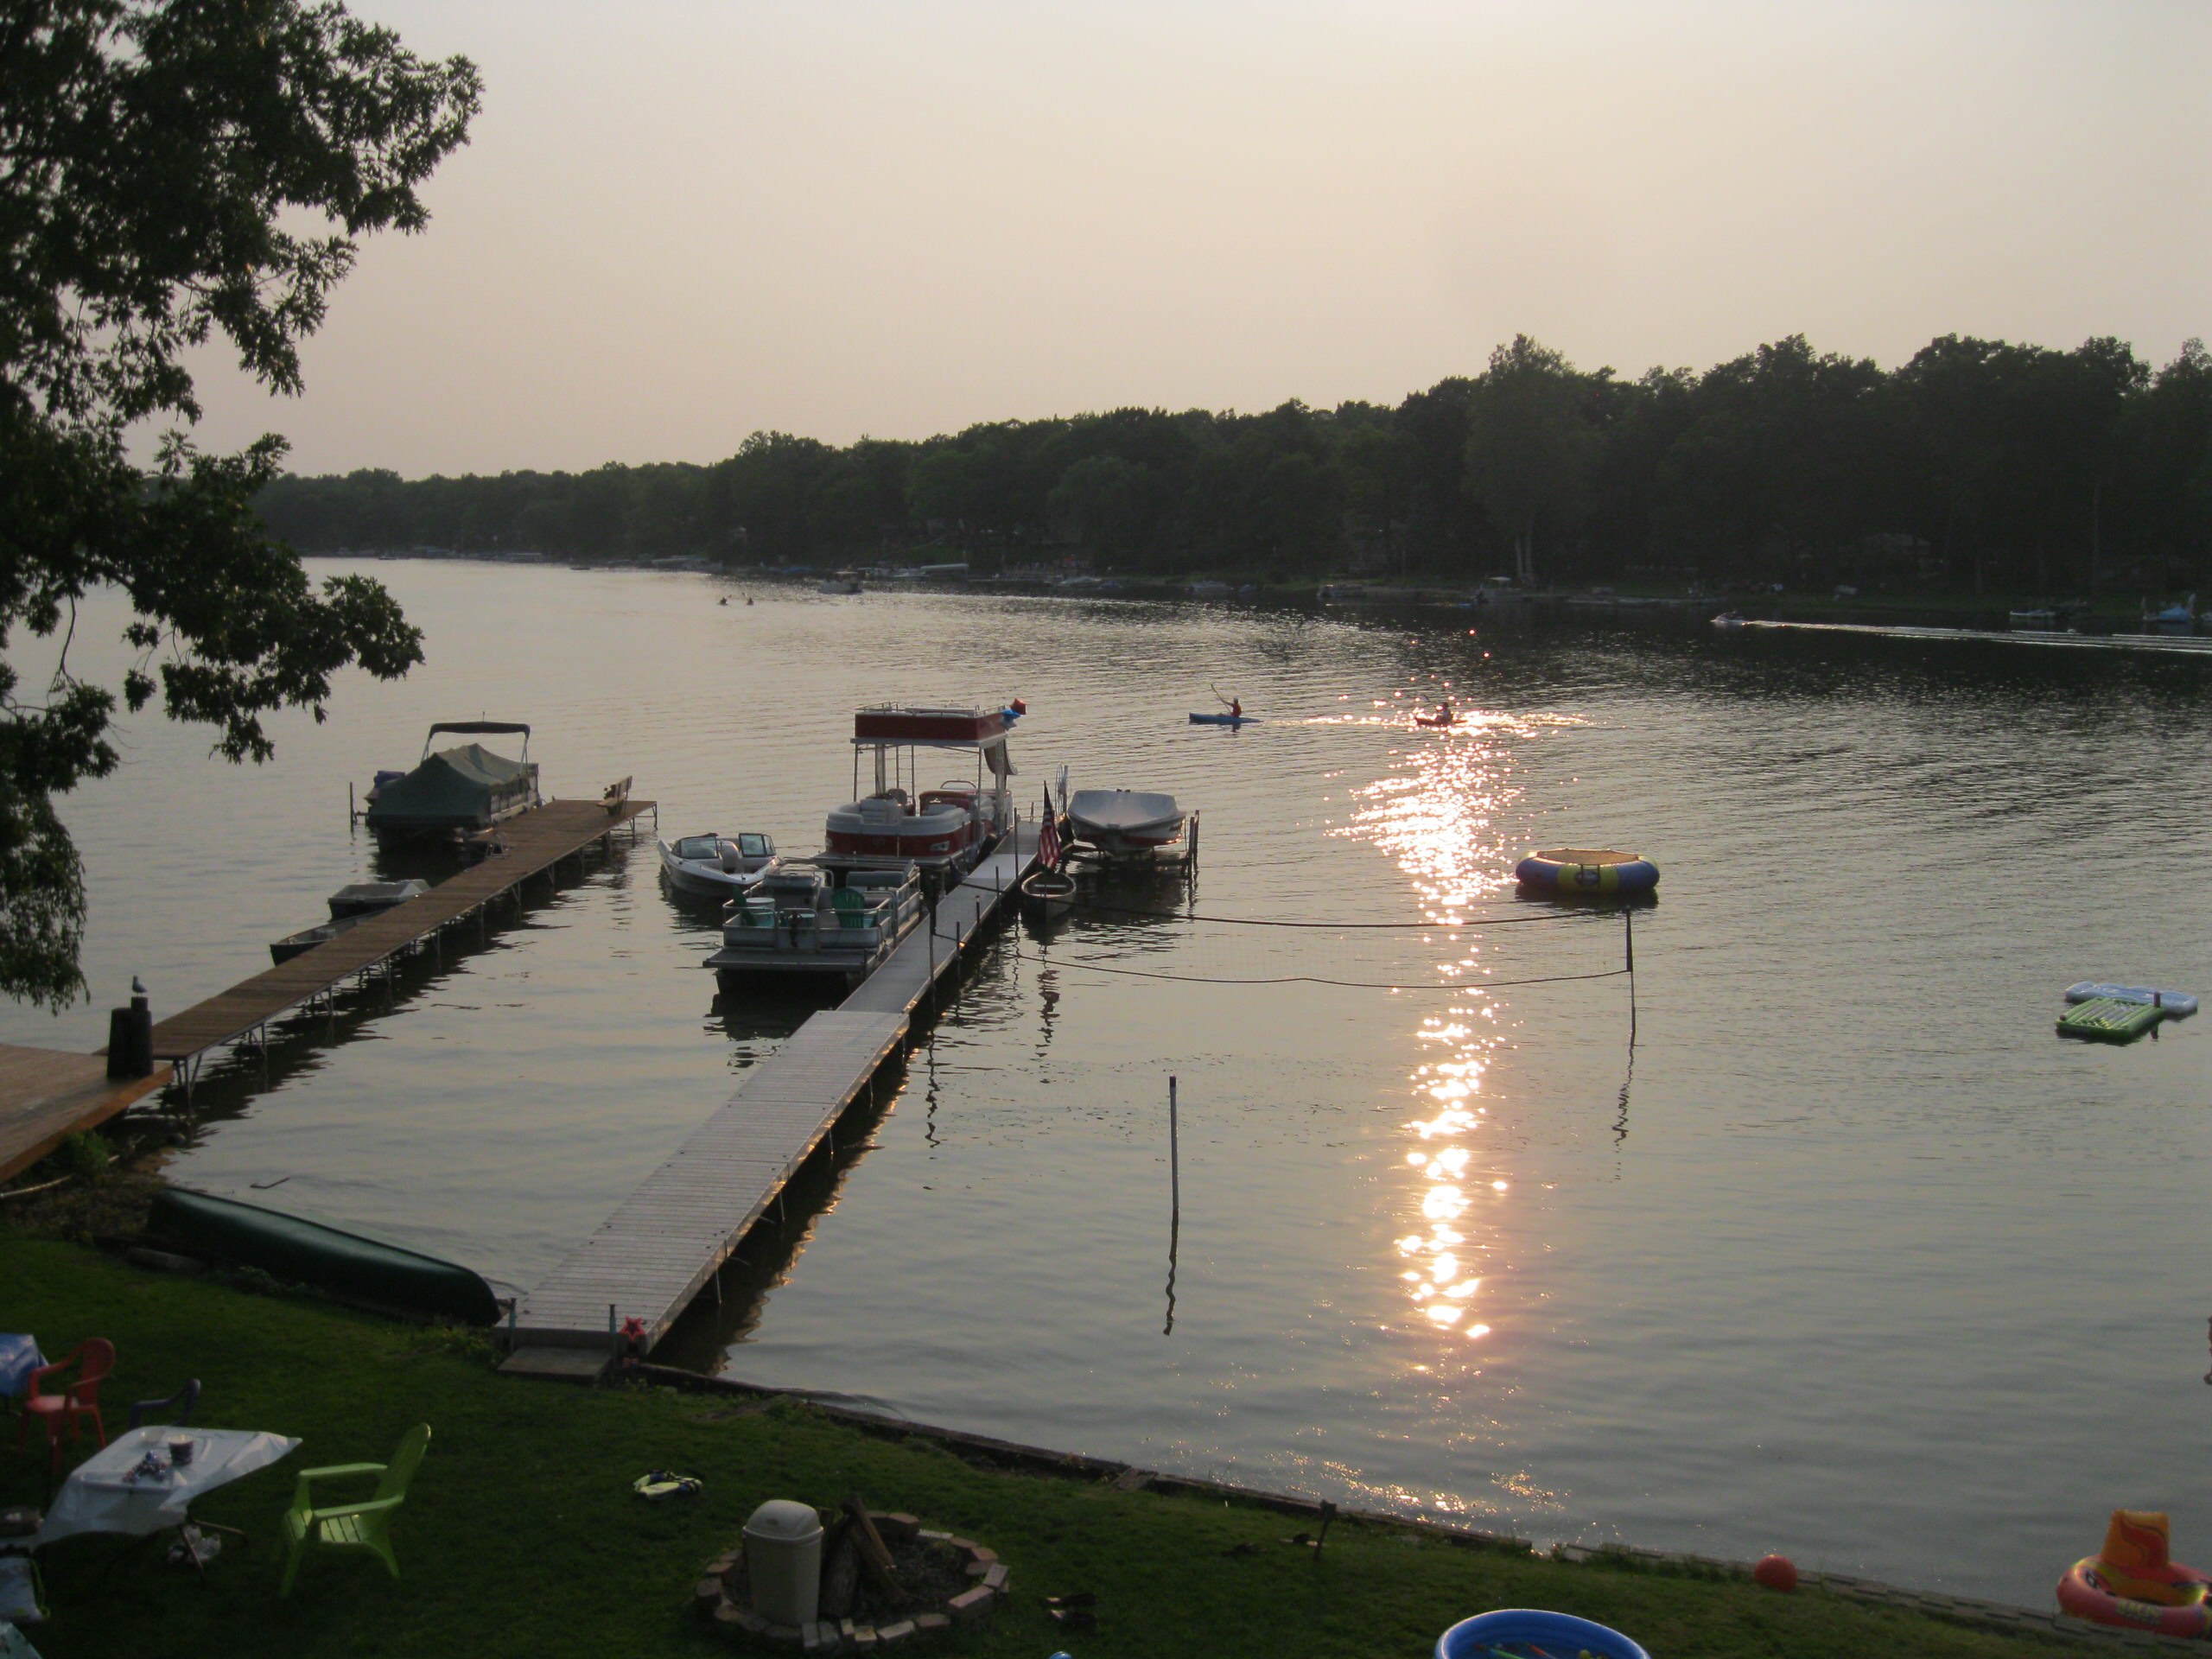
1976 463
169 172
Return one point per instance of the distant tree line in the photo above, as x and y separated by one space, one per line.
1978 464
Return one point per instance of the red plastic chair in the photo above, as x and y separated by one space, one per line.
94 1358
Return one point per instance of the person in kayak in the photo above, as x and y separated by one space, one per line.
1237 709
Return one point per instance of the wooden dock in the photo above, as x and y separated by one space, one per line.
47 1095
669 1240
532 844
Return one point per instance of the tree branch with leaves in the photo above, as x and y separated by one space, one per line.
168 172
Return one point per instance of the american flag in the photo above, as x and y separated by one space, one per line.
1048 838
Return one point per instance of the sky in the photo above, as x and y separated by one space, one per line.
679 224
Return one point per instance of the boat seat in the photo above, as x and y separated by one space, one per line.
851 906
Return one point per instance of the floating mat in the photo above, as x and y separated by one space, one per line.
2179 1004
2114 1021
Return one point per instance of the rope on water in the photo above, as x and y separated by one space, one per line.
1058 961
1339 927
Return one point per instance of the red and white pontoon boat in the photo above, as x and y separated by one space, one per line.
942 828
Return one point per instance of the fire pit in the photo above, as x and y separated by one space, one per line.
885 1580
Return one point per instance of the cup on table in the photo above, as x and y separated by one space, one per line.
180 1450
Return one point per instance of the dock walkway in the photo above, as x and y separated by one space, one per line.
533 843
47 1093
667 1242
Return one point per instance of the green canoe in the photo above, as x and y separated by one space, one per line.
308 1253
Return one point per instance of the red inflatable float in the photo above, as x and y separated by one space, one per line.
2132 1583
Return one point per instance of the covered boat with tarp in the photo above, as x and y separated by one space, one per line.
304 1252
457 791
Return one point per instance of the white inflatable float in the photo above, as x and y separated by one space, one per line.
2179 1004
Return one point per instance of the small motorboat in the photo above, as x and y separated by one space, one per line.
1729 620
1121 821
1443 716
1225 720
843 582
1045 896
367 897
2040 621
349 907
717 866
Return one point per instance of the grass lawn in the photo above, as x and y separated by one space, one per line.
522 1536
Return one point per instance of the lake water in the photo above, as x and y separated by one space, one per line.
1848 1255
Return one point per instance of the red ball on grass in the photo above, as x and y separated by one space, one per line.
1776 1572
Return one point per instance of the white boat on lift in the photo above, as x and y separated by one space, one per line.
942 831
1121 822
717 866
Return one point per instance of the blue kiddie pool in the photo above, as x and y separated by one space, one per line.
1523 1632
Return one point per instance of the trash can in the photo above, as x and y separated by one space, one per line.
783 1561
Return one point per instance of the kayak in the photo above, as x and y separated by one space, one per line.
2179 1004
1225 720
308 1253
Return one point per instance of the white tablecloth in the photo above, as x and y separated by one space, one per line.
100 1497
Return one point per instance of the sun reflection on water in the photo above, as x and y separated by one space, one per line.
1440 818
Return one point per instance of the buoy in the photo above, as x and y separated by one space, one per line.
1776 1572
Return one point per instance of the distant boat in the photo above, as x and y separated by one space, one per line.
2043 619
843 582
2174 618
1729 620
1225 720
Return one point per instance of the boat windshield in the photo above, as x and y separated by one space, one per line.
755 846
699 846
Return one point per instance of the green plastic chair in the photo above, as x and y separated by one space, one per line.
353 1526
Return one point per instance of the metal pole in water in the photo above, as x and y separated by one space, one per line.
1175 1208
1174 1161
1628 934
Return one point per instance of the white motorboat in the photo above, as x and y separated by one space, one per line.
942 831
797 926
1729 620
1121 821
715 866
